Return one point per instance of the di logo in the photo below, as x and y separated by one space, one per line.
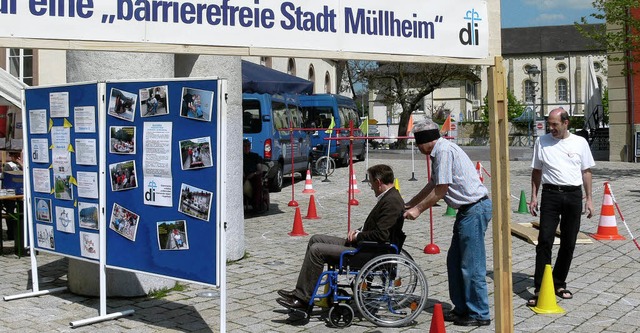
469 35
150 195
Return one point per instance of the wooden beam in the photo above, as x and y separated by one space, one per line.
501 198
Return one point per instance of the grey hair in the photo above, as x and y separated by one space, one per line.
422 124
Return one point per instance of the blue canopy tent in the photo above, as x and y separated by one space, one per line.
263 80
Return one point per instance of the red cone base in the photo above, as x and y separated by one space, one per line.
431 249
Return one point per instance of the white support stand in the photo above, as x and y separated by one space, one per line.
34 293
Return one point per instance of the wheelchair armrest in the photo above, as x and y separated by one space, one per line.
370 246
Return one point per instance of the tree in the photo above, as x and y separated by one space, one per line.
622 44
406 84
515 108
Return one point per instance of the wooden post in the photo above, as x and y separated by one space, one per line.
501 197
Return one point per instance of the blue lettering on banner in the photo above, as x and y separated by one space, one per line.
61 8
384 23
7 6
470 34
193 13
296 18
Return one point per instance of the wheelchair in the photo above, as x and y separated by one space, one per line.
383 282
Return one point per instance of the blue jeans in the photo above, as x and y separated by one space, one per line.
467 261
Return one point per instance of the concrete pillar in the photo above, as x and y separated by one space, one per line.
229 68
85 66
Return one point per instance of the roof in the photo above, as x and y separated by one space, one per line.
548 39
260 79
10 89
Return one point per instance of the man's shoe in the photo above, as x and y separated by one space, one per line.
468 321
293 303
286 293
451 316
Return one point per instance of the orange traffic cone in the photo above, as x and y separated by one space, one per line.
607 228
311 211
353 187
479 170
437 322
298 229
308 186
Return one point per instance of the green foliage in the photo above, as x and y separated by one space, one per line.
163 292
514 107
621 44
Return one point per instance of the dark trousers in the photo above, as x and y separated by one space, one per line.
562 208
320 249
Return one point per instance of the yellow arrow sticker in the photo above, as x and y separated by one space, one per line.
70 148
67 124
50 124
73 181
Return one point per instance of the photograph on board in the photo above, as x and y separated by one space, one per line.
153 101
123 175
45 237
124 222
122 104
62 186
172 235
88 215
43 210
89 245
196 104
196 153
65 220
122 139
195 202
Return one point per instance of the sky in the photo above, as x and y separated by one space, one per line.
531 13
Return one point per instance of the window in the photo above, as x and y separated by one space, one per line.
561 67
529 91
599 80
291 67
597 66
327 83
312 74
562 90
20 64
265 61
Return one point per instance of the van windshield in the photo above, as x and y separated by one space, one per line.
251 120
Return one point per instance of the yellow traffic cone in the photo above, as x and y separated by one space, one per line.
547 297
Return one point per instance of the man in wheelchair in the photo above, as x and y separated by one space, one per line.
384 222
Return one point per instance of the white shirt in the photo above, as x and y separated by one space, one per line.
562 160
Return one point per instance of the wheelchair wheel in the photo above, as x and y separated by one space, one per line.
321 166
340 315
390 290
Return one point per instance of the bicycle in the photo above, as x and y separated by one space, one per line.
324 166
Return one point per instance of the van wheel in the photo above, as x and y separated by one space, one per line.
275 183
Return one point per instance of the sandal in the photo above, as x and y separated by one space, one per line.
564 293
533 301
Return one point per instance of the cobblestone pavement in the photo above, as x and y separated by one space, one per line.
604 276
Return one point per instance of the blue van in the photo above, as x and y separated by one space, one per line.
265 122
318 110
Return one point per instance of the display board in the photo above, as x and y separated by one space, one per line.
138 161
162 161
57 120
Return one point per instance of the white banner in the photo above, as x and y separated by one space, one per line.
456 28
